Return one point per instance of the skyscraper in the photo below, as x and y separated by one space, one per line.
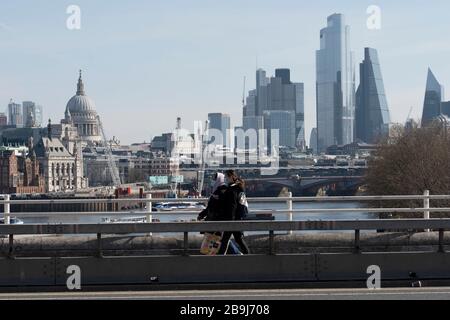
284 122
445 108
30 113
434 94
3 119
15 114
221 122
38 115
335 84
261 91
313 140
249 109
372 112
284 74
276 93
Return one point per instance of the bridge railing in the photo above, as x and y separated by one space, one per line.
266 226
289 211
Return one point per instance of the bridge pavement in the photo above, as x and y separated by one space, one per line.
436 293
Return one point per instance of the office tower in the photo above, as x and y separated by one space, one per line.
284 74
15 114
445 108
284 122
29 114
38 115
261 91
3 119
249 109
276 93
372 113
335 84
253 122
313 140
221 122
434 94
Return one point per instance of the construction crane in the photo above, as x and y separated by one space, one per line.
243 94
111 163
409 114
202 165
176 154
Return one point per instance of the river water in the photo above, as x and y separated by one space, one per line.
167 217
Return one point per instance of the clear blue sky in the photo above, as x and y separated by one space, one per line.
147 62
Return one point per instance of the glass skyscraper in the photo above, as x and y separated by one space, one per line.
276 93
284 122
335 85
15 114
434 94
313 140
222 122
372 112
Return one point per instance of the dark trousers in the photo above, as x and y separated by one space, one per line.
238 237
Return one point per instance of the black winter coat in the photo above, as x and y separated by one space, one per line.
216 205
231 200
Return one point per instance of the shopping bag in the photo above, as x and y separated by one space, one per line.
211 243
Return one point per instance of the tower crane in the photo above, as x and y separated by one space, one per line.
202 165
243 94
111 163
409 114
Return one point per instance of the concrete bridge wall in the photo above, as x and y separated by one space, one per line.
23 273
43 261
48 246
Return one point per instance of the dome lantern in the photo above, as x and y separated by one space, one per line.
80 86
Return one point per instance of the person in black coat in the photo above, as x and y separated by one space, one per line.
216 203
234 189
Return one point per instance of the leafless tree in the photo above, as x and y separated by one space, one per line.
409 162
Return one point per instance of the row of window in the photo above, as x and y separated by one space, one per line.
62 169
69 182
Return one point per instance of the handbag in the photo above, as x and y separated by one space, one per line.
211 243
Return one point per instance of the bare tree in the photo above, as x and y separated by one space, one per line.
409 162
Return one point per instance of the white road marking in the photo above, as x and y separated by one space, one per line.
232 294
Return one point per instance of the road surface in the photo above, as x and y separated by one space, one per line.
437 293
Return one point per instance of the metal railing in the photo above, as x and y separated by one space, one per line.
267 226
290 225
289 200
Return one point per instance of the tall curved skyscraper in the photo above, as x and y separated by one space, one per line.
372 112
434 94
335 85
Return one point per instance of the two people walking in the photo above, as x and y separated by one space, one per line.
227 203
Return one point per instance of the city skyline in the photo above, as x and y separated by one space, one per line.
202 78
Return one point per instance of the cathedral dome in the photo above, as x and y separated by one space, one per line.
80 113
80 103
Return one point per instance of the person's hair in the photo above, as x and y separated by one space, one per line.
234 177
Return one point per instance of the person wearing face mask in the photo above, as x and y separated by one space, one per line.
213 212
215 207
235 188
